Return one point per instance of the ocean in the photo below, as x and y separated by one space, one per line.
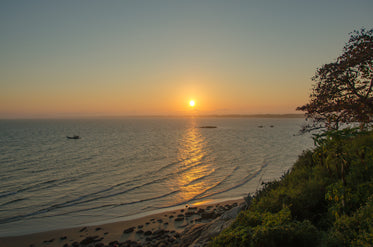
122 168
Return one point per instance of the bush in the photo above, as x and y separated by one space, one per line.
317 203
268 229
302 190
355 230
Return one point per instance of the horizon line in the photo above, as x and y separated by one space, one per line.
260 115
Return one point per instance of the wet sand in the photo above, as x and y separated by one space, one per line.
162 229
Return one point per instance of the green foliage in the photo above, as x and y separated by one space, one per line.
302 190
318 202
336 194
353 151
355 230
332 151
268 229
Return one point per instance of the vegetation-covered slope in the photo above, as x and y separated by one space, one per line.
324 200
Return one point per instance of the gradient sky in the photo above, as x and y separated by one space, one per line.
94 57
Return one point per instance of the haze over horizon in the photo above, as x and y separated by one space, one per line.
119 58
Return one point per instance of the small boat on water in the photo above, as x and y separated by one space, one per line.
73 137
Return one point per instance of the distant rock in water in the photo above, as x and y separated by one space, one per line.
75 137
208 127
260 126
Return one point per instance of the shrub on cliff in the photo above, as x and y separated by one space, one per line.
269 229
354 230
311 205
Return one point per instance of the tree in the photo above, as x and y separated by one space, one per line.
343 89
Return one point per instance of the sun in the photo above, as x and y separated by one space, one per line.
192 103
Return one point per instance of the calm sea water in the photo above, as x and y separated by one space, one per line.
125 167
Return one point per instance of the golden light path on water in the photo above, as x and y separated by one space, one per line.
193 151
128 167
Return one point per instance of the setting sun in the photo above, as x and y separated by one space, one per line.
192 103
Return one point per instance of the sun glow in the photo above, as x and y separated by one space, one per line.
192 103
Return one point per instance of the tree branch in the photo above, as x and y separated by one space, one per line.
369 89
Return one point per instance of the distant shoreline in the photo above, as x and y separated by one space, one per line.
255 116
291 115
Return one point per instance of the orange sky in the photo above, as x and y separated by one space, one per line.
116 58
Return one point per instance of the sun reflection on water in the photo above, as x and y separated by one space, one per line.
196 166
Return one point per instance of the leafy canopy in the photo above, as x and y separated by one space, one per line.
343 89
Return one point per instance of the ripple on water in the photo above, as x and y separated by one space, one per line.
122 167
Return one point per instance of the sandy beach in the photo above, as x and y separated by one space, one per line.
162 229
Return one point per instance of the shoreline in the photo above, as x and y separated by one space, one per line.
140 229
